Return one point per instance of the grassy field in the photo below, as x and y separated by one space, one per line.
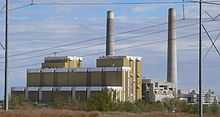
69 113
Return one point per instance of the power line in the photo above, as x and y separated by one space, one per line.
26 58
17 8
132 46
213 43
209 49
139 45
101 43
125 48
88 40
98 44
50 53
207 13
45 49
111 3
211 3
21 7
213 18
2 46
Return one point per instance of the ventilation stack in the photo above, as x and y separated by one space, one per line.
109 34
172 56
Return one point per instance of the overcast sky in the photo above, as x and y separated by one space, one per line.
44 26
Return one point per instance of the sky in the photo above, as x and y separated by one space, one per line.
47 27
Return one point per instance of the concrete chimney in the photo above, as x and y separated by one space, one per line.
110 49
172 57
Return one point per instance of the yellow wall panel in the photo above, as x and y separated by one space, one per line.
113 78
62 78
78 78
33 79
47 78
96 79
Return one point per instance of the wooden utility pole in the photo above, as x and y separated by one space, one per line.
6 57
200 60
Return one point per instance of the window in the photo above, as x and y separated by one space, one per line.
156 84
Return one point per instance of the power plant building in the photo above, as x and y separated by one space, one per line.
120 75
66 76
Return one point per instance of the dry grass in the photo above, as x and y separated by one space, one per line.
49 113
69 113
154 114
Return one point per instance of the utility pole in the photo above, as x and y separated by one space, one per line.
183 8
200 60
6 57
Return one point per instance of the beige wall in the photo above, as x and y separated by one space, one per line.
113 78
97 79
61 78
47 79
75 78
139 79
62 64
112 62
78 78
33 79
133 85
129 80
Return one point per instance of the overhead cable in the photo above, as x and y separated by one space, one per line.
213 43
111 3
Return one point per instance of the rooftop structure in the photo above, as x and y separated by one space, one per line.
62 62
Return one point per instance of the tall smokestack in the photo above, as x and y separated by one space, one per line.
172 57
109 34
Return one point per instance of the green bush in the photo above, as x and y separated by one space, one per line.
214 108
102 101
19 102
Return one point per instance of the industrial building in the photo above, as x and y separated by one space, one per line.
159 90
66 76
191 96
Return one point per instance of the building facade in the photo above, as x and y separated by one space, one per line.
157 90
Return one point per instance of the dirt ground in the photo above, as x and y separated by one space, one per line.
69 113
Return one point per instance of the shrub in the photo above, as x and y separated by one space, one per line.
19 102
102 101
214 108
